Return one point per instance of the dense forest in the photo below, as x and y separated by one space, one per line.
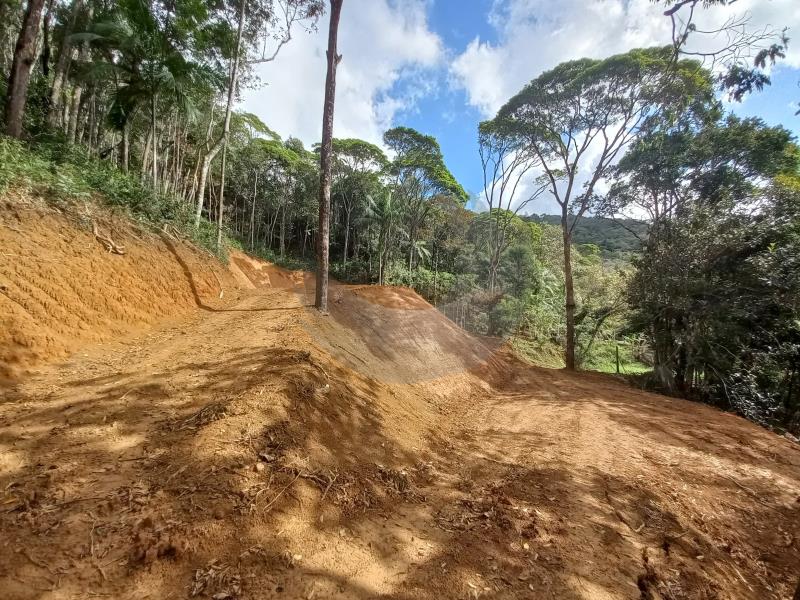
698 286
617 238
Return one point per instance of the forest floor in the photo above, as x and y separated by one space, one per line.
252 448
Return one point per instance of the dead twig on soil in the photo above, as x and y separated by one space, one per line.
208 414
107 242
279 494
327 489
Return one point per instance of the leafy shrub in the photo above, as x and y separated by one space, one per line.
506 316
355 271
59 172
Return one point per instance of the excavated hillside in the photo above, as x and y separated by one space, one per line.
192 446
62 289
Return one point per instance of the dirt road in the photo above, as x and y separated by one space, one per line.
259 450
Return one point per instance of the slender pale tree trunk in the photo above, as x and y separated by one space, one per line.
346 235
154 137
46 48
55 110
24 56
253 213
212 153
77 92
323 242
126 144
6 18
569 290
221 206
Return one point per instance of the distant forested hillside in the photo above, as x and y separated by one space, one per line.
614 238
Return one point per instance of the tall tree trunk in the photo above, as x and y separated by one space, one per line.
77 92
46 49
74 112
55 109
24 55
323 242
411 241
6 19
346 235
569 289
212 153
253 213
282 247
154 137
221 208
126 144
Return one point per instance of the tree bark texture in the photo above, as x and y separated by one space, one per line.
24 56
323 241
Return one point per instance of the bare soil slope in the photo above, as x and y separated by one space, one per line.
255 449
60 288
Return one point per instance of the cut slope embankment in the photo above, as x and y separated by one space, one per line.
267 451
388 333
61 290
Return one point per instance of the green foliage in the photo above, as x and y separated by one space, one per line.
716 289
60 172
618 239
419 156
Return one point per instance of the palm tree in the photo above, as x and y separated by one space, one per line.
147 68
386 213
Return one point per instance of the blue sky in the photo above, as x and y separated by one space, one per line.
442 66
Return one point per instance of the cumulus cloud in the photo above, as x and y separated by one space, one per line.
384 44
536 35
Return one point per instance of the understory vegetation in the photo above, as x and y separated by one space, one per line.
676 251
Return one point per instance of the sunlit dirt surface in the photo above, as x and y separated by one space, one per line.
255 449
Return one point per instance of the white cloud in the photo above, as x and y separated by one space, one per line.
536 35
381 41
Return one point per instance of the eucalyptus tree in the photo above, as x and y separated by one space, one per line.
8 20
20 72
577 118
507 161
419 175
325 159
257 22
64 56
357 167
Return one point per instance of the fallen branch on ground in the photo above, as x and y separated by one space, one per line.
107 242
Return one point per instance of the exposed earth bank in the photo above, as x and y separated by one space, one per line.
248 447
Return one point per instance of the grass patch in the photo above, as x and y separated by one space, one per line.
59 172
542 354
603 358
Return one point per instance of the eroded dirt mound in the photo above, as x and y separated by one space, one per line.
61 289
388 333
254 273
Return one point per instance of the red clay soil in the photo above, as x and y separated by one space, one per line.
60 289
255 449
